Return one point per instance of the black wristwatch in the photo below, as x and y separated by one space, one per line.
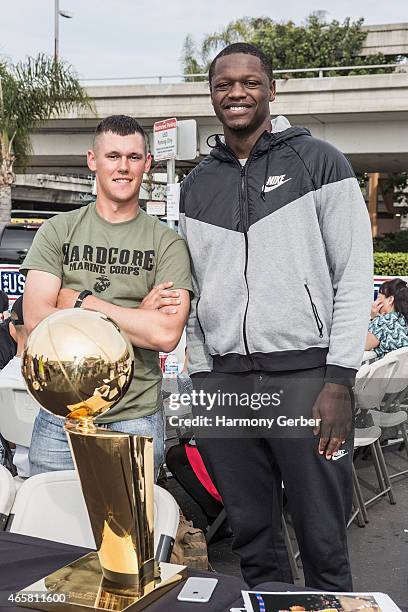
81 298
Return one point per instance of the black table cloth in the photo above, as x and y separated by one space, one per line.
24 560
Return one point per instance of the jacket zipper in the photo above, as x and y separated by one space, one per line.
315 312
245 223
243 204
198 319
247 304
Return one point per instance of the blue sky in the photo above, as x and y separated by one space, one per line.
128 38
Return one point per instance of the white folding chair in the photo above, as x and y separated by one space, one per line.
17 412
7 495
369 356
166 522
371 385
387 414
372 382
52 506
370 437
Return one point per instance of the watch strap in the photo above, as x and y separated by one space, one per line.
81 298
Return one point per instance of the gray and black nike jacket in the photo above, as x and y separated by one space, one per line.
281 255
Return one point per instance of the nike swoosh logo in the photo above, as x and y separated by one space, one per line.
335 457
272 187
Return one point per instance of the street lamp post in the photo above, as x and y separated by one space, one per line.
56 30
57 14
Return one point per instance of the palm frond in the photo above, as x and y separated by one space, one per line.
32 92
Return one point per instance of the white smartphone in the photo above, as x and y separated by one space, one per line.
198 590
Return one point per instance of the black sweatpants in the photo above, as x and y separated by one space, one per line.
249 462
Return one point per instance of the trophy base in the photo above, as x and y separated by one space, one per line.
81 586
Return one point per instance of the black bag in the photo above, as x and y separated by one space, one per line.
6 456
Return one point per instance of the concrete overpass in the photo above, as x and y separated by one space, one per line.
388 39
365 116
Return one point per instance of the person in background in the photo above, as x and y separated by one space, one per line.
4 306
7 343
12 373
388 329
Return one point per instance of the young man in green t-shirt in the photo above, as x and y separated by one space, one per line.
110 256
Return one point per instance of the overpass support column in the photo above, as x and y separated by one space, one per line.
372 201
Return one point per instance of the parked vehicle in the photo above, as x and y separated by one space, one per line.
15 241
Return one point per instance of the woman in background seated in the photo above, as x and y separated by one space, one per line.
388 328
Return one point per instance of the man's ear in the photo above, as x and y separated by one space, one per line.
90 158
12 330
272 90
211 97
148 162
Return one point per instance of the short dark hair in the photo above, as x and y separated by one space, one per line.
16 314
4 301
247 49
123 125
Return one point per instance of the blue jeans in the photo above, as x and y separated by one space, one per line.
49 450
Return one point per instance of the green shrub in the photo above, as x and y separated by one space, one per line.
391 264
392 243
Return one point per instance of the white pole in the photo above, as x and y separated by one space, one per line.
171 179
56 30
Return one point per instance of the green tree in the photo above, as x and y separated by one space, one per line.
30 93
315 43
189 60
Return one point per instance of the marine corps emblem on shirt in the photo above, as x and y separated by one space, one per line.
102 283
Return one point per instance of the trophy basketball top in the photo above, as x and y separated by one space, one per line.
77 364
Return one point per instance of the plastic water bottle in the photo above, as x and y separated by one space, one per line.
162 358
171 366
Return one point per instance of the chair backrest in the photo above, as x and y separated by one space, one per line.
399 380
361 377
17 412
166 521
52 506
372 384
7 495
369 356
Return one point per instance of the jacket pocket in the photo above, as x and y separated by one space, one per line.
315 312
198 319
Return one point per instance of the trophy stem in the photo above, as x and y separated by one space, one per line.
84 425
117 477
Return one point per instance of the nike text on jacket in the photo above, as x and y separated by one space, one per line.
281 254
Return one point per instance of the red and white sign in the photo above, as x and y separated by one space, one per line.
165 139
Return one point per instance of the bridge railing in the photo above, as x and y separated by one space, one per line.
182 78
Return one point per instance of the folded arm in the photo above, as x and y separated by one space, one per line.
150 329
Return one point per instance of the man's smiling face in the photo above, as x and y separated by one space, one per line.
119 163
241 92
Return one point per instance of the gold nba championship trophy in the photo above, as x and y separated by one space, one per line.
77 364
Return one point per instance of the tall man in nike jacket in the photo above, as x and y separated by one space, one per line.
281 251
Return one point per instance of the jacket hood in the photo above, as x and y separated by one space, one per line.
281 132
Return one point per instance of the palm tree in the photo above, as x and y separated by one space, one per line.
30 93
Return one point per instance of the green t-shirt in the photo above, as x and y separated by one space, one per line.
120 263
